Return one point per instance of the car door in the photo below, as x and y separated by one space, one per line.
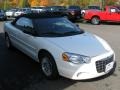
26 41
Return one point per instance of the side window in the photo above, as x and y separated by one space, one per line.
24 23
113 10
20 22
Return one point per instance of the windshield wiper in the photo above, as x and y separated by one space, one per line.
62 34
73 32
51 33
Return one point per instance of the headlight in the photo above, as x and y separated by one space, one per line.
75 58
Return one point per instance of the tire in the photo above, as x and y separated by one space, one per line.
8 42
95 20
48 66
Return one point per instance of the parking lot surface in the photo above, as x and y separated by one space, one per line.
19 72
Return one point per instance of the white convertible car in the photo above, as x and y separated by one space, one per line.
60 46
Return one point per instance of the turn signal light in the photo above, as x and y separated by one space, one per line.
65 57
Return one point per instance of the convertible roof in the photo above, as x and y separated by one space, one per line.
42 15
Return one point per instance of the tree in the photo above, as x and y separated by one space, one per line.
12 3
111 2
20 3
83 3
44 3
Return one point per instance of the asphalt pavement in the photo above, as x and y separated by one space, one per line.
19 72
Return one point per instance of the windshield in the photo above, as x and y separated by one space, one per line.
118 7
55 27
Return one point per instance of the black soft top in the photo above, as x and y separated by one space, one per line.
42 15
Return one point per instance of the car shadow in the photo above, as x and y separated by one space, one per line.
19 72
110 23
16 69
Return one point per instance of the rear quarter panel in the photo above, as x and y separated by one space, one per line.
7 27
11 31
91 13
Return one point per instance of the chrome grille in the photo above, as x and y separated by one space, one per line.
101 65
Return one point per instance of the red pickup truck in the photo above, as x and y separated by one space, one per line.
110 14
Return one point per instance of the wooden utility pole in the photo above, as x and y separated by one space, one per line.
103 4
5 4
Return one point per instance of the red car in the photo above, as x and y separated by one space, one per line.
110 14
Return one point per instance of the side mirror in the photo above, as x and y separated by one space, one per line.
77 25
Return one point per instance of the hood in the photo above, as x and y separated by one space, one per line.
84 44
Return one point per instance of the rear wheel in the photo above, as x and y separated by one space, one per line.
95 20
8 42
48 66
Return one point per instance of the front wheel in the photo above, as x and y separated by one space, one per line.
83 14
95 20
48 66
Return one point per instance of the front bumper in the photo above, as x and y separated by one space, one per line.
87 71
90 75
